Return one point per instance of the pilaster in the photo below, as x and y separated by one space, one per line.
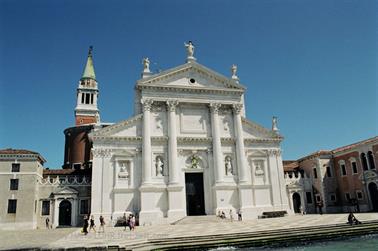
237 108
217 147
146 148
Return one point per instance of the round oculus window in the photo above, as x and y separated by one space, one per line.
192 80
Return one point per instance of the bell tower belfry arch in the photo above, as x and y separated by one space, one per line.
86 111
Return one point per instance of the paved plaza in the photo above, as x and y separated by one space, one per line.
189 227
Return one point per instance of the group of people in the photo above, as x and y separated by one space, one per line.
352 220
91 224
221 214
129 221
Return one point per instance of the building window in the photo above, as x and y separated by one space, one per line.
309 197
315 174
371 160
13 184
46 207
354 167
364 162
332 197
329 173
343 170
84 207
82 98
12 206
87 97
15 167
347 196
359 195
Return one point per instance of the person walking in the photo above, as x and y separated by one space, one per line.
92 224
320 205
125 221
239 215
47 223
131 222
102 224
231 215
85 225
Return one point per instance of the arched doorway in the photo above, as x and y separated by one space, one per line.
297 203
65 209
373 191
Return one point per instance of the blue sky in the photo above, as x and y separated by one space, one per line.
311 63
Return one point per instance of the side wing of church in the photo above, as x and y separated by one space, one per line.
188 150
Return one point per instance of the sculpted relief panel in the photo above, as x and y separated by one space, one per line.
193 120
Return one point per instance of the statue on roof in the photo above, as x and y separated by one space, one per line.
146 65
189 49
274 124
234 69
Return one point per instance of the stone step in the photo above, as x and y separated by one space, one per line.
199 220
258 237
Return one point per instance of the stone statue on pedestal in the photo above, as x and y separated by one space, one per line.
228 165
189 50
159 166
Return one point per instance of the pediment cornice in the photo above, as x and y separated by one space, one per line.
195 67
270 135
104 132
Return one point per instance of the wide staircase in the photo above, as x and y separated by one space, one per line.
254 238
202 219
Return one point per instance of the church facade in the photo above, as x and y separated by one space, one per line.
188 150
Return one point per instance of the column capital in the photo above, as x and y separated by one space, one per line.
147 104
214 107
237 107
172 104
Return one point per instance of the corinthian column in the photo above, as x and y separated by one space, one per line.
172 141
146 148
240 143
217 148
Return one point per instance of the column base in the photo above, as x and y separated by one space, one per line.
152 217
176 202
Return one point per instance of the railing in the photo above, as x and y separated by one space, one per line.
66 180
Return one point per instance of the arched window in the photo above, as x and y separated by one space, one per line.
343 171
353 164
371 160
364 162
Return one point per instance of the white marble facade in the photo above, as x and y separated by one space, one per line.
188 119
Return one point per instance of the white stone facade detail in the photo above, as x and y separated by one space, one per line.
189 122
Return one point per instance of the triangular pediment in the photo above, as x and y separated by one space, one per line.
65 191
191 75
125 128
253 130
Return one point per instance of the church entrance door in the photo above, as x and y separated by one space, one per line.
195 202
297 202
65 213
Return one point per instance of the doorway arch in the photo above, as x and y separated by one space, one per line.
65 210
296 202
373 191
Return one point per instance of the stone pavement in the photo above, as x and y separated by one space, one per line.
196 226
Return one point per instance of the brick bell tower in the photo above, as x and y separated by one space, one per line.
86 111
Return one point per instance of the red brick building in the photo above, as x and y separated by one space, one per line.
344 179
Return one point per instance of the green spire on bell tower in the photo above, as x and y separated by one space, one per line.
89 68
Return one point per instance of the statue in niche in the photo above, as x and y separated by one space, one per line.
259 168
159 122
228 165
123 173
159 166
